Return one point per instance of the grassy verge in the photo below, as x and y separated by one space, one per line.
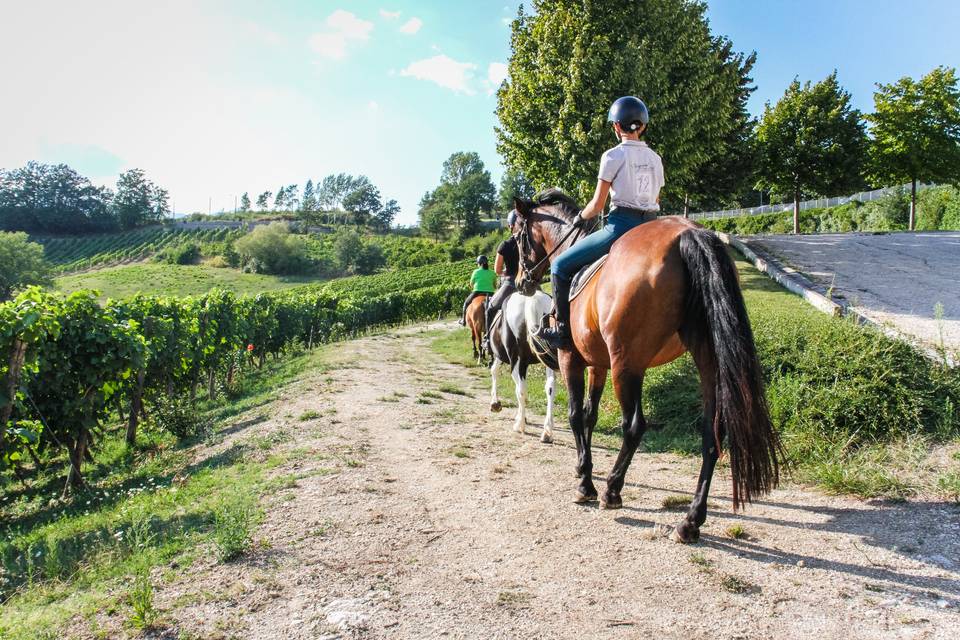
146 509
174 280
858 412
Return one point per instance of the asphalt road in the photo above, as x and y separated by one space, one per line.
898 279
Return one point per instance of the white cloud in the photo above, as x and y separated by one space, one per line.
411 26
496 73
389 15
345 28
444 71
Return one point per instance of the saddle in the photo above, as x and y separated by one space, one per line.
584 276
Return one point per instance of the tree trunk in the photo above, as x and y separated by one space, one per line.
686 205
17 354
77 453
211 384
136 408
796 212
913 203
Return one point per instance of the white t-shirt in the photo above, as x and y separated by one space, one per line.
635 172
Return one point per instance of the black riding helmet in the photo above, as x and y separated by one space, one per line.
629 112
511 217
482 261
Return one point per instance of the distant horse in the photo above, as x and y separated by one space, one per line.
668 286
512 342
476 322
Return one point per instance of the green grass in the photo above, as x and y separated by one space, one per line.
150 506
857 411
174 280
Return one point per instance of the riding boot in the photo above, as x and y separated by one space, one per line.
558 336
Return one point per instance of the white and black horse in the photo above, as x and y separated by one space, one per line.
512 342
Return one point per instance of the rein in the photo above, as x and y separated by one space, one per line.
524 238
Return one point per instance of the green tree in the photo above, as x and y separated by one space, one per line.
571 60
291 197
281 198
811 143
916 132
21 264
309 201
43 198
363 201
435 217
263 200
138 201
333 189
245 202
513 184
383 218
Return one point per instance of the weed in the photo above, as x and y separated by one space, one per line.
737 532
353 463
733 584
232 529
460 451
701 561
513 598
308 415
141 600
454 390
430 394
949 485
675 503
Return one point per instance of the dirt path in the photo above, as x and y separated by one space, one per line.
434 520
894 278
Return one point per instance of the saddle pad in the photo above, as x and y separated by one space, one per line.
584 276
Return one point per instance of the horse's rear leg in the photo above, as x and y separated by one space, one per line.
596 379
495 405
689 528
629 389
549 388
519 375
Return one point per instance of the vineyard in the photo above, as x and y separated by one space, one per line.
68 364
76 253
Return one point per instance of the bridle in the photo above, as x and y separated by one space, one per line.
525 243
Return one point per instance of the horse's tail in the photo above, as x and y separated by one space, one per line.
717 332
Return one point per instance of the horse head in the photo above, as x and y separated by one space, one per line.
541 234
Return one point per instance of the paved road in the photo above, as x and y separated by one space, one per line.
895 278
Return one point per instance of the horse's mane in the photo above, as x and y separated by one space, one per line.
566 205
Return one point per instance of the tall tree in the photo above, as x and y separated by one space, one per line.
385 216
811 142
309 201
513 184
281 198
916 132
571 60
291 197
245 202
333 189
435 216
263 200
363 201
138 201
42 198
467 189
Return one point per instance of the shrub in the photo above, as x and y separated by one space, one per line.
177 416
273 249
21 264
233 528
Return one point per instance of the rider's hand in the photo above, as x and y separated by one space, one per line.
579 221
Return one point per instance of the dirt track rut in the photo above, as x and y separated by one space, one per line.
435 520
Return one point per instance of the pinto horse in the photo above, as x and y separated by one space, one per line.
668 286
512 343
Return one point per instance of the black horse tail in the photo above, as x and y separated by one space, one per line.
716 330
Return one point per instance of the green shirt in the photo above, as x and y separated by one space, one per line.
484 280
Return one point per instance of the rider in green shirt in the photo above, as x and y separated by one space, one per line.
484 282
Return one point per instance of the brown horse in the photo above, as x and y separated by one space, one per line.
476 322
667 287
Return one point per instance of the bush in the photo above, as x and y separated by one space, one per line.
233 528
21 264
177 416
273 249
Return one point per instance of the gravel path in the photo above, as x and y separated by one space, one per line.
427 517
894 278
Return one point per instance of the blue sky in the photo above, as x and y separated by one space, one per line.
213 98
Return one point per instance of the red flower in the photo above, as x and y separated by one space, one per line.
249 347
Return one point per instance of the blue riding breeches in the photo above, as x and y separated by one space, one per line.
595 245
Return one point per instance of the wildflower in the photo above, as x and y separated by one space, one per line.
250 347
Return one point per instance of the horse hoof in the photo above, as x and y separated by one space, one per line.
546 438
582 498
496 407
684 534
611 503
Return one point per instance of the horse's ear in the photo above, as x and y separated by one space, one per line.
520 206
